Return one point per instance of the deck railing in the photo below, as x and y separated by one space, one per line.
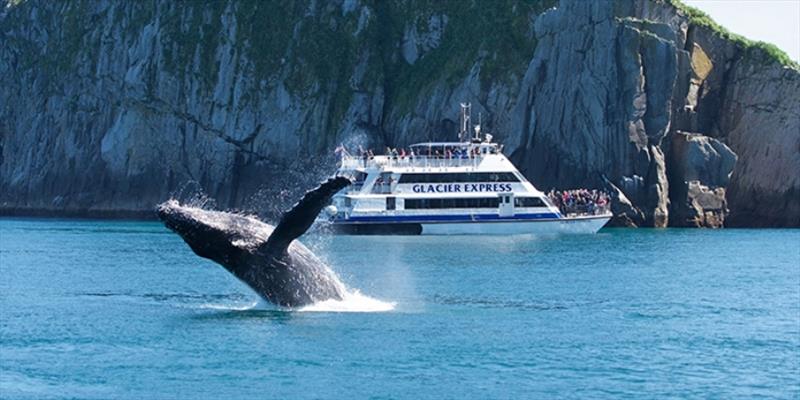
585 209
351 162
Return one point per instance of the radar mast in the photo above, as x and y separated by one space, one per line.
466 111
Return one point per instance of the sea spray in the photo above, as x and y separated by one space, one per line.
353 301
254 305
191 193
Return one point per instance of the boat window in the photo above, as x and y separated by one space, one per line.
459 178
360 177
439 203
528 202
390 203
383 183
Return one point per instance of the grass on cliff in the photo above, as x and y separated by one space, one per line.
496 35
751 47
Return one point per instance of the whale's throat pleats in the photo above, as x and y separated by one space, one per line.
296 221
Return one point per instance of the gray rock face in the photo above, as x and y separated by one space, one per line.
762 126
700 170
108 108
700 158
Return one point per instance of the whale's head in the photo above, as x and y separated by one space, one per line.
219 236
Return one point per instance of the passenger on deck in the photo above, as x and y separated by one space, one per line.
579 201
363 154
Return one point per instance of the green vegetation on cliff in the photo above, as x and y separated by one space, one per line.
752 48
498 35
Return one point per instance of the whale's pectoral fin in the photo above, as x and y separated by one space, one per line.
297 220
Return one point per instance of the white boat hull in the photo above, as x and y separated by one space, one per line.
582 225
575 225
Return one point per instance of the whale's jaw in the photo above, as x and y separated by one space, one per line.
212 241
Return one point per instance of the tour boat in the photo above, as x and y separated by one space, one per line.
449 188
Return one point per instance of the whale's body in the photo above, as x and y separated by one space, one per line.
269 260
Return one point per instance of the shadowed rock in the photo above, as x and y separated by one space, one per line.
700 170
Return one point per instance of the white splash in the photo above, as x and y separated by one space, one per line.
231 307
353 301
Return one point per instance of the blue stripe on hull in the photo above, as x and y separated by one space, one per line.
446 218
379 229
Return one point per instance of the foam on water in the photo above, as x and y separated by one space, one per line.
233 307
353 301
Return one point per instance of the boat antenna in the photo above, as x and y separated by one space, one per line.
466 110
478 127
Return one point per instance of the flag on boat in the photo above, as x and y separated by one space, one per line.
341 150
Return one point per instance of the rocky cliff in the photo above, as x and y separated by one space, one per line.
108 108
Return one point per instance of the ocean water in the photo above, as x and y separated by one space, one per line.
125 310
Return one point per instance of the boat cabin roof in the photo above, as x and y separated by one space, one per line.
482 147
452 144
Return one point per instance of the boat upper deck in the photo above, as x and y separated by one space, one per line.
426 155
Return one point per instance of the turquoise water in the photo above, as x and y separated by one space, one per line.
125 310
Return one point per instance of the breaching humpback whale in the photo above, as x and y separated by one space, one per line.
269 260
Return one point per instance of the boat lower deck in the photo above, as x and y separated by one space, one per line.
573 225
